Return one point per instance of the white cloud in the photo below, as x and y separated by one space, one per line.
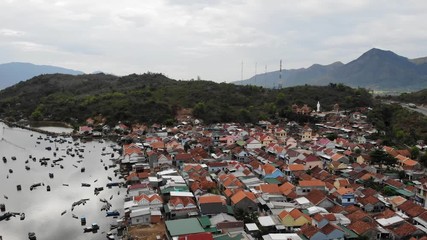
184 38
11 33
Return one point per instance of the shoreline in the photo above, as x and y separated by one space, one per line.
34 129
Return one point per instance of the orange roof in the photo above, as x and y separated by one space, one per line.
268 168
228 192
283 214
296 167
269 188
211 199
287 186
239 196
410 162
311 183
337 156
343 191
295 213
158 145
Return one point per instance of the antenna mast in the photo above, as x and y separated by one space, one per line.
241 73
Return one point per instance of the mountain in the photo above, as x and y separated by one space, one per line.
376 69
12 73
153 97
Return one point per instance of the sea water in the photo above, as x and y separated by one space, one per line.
43 209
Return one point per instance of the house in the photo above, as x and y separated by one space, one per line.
226 223
319 198
85 130
292 170
140 216
244 200
182 227
294 218
270 171
306 134
364 229
345 196
280 133
212 204
181 205
153 201
338 157
292 155
363 159
371 204
328 231
312 161
252 143
306 186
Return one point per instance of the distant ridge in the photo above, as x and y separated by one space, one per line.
14 72
375 69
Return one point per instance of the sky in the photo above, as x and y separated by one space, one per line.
210 39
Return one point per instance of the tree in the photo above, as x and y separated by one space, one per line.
380 157
415 152
423 159
245 215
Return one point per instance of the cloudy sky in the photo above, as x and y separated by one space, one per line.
208 38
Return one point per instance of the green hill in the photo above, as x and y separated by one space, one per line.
153 98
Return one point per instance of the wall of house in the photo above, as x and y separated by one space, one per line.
212 208
144 219
310 165
247 204
155 219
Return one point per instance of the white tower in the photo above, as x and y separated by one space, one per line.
318 106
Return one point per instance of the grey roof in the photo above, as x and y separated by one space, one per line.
183 226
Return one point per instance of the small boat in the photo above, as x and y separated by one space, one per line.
83 221
18 187
22 216
64 212
48 148
34 186
4 159
32 236
27 168
51 175
74 216
92 228
113 213
82 170
10 171
48 188
65 184
85 185
13 158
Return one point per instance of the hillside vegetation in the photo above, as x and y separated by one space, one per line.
152 97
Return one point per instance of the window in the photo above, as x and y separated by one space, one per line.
348 199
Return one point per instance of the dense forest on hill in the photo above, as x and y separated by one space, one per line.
153 97
419 97
399 126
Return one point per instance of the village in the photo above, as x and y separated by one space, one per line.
268 181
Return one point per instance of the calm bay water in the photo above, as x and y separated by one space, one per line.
42 208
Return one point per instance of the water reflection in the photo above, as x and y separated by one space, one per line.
43 208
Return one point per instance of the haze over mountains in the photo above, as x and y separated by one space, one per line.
12 73
376 69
